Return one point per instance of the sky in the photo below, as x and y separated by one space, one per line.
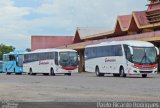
20 19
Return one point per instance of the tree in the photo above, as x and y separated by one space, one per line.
28 50
5 49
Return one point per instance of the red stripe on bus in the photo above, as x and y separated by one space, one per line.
69 67
145 66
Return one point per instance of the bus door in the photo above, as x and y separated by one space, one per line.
19 60
56 60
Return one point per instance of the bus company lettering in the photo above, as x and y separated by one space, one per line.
43 62
110 60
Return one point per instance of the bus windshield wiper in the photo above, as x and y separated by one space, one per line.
149 60
143 58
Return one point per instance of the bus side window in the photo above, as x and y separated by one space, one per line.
5 58
91 53
99 51
12 58
118 50
56 58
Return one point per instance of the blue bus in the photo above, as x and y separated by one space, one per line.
13 62
1 63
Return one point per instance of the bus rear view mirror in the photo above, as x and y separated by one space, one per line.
131 50
157 50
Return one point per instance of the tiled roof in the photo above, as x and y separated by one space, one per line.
88 32
140 18
124 21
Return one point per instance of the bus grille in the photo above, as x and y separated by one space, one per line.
145 71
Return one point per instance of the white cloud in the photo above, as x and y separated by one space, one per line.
12 25
9 11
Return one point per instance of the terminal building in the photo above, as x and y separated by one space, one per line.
139 25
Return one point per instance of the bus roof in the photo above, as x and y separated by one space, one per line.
15 53
50 50
135 43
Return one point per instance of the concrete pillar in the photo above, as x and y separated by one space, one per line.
81 62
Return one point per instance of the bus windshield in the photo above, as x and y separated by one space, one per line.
68 59
143 55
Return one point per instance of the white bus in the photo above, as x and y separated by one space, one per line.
51 62
121 58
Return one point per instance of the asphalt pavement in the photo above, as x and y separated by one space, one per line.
80 87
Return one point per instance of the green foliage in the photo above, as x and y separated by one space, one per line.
5 49
28 49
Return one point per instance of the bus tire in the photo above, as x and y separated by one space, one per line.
98 74
8 73
121 72
52 72
144 75
31 72
69 74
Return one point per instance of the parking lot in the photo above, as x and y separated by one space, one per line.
80 87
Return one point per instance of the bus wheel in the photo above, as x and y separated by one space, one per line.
121 72
69 74
98 74
31 72
52 72
144 75
8 73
